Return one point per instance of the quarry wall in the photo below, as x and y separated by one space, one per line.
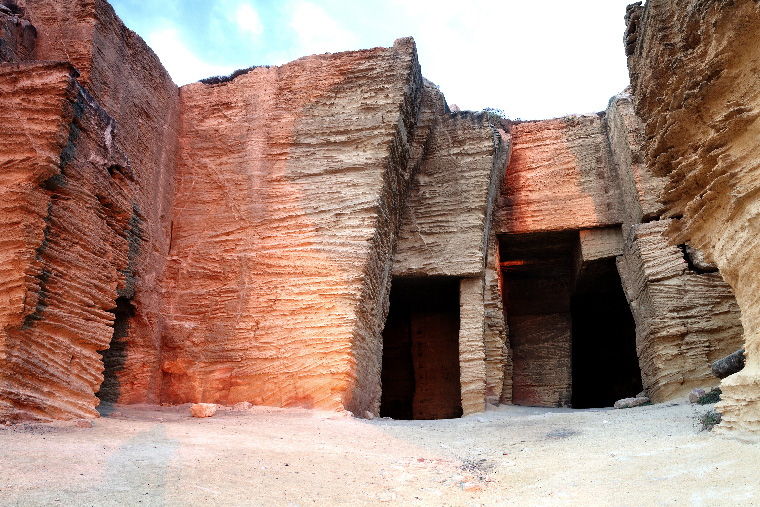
239 239
693 68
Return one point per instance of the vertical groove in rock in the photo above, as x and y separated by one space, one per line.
49 358
128 81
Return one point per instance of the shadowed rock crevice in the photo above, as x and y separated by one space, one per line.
115 355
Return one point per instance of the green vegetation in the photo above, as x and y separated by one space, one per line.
709 419
712 397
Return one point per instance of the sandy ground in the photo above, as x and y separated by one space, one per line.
138 455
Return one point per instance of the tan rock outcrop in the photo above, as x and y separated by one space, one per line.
694 76
446 225
685 320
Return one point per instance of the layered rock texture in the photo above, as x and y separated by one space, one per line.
225 242
328 234
579 216
693 69
289 186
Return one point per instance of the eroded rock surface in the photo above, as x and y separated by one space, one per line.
67 242
685 320
694 75
289 188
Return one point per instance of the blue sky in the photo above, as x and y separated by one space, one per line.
534 59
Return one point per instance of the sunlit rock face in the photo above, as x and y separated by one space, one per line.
128 82
238 240
695 82
289 185
66 236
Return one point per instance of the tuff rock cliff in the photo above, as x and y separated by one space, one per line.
693 68
328 234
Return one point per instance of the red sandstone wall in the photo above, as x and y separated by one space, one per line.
127 79
559 177
286 213
66 214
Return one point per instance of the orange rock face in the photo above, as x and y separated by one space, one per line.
128 81
69 199
559 177
694 75
287 199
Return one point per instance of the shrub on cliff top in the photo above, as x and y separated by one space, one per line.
213 80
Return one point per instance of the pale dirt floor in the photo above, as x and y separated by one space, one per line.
156 456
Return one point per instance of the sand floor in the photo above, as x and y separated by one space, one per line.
155 456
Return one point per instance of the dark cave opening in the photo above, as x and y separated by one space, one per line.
571 332
420 368
115 356
605 365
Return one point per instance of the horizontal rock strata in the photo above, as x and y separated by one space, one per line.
445 228
67 213
128 81
560 177
289 188
684 320
694 75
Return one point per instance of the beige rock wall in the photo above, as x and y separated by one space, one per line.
446 218
445 229
66 214
695 84
288 194
640 190
685 320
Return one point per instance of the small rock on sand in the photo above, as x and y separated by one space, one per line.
696 394
632 402
203 410
83 423
242 405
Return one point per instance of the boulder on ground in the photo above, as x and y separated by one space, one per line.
203 410
632 402
696 394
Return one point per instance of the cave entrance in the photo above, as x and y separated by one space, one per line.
605 365
571 331
420 369
115 355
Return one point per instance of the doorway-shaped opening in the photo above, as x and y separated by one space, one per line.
420 370
115 355
537 270
571 331
605 364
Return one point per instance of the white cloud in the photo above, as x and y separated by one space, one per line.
183 66
248 19
318 32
